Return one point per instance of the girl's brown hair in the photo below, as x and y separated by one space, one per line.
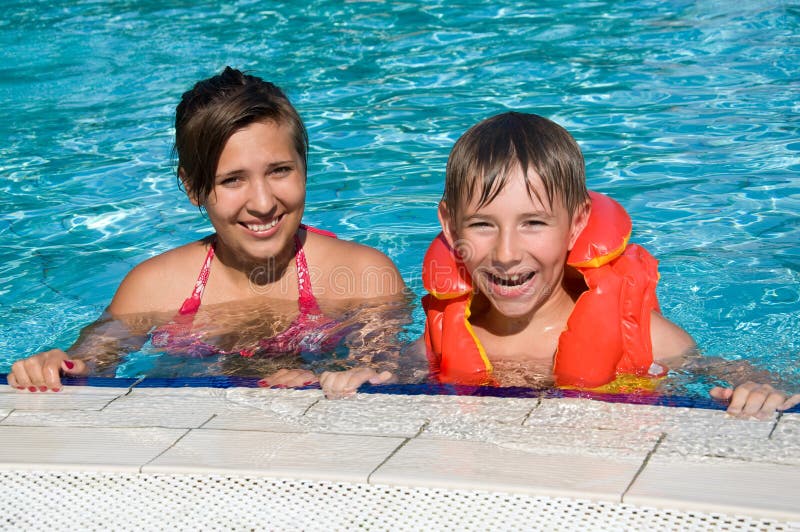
216 108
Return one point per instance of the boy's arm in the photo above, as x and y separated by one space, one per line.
749 395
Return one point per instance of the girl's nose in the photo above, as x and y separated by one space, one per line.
261 200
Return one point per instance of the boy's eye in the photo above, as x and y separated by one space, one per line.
282 170
478 225
534 222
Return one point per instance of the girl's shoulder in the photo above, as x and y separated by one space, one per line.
162 282
364 270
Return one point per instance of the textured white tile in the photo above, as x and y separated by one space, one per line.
583 413
286 455
170 416
255 421
788 430
287 404
714 485
265 410
689 431
737 439
467 417
88 449
374 414
69 398
478 465
538 439
587 413
232 408
510 411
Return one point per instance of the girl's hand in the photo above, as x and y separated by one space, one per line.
42 371
754 400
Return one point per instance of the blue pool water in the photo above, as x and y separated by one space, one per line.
687 113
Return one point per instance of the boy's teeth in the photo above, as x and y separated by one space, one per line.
515 279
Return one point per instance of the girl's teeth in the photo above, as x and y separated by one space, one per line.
262 227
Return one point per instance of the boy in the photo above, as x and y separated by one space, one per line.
531 272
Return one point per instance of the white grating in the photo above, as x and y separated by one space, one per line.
103 501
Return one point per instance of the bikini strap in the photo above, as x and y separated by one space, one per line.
192 303
318 231
306 300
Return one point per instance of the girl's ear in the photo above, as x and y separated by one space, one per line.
447 223
187 188
579 220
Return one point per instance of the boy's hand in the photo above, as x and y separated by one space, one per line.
754 400
288 378
340 384
42 371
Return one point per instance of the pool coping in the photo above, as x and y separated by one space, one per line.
678 453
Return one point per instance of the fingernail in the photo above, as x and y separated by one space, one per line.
56 389
308 383
42 388
31 388
20 387
262 383
70 364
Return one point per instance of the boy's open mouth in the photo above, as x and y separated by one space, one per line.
511 280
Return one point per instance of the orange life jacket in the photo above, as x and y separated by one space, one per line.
607 333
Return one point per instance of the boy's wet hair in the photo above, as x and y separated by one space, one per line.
216 108
483 157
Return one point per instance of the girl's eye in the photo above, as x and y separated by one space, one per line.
230 181
534 222
282 170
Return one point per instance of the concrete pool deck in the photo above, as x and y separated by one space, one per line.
634 455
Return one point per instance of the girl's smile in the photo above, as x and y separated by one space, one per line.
259 193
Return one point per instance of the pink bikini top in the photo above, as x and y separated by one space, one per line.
308 331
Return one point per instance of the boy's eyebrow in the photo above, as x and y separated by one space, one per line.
529 214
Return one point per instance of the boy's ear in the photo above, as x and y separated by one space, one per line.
579 220
187 188
447 223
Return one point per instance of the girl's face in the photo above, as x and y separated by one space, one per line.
515 247
259 193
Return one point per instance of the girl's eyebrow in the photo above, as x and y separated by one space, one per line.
282 163
232 173
240 172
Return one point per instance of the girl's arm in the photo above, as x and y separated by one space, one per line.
97 350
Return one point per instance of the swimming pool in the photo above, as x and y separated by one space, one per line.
686 113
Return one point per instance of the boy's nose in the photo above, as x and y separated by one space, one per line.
506 250
261 200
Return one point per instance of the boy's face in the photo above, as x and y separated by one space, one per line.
515 247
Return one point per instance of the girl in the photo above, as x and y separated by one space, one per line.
241 149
